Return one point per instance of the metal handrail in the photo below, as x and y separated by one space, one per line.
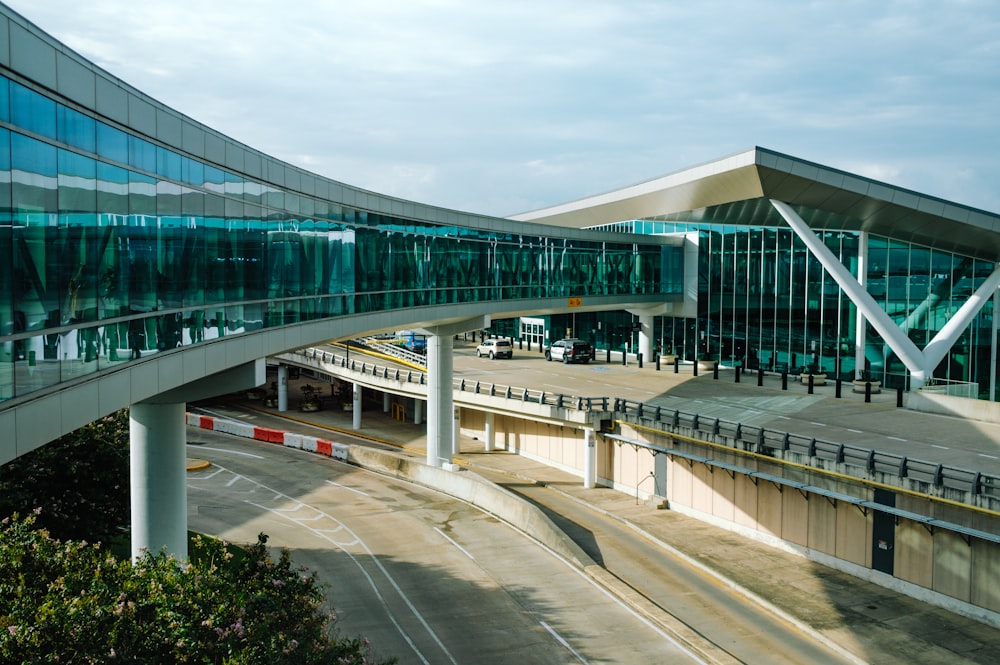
753 438
769 441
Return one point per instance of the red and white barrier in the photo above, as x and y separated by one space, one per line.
310 444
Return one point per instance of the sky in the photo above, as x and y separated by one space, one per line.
503 107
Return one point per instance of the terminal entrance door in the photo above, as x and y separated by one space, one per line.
533 331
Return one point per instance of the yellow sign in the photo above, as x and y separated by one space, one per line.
575 302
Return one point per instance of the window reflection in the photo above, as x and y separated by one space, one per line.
119 249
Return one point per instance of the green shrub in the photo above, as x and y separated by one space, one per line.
74 602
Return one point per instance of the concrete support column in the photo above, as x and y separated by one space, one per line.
356 406
386 402
418 411
282 388
158 466
646 337
993 347
589 458
860 338
490 431
440 411
456 431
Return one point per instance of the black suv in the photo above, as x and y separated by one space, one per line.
569 351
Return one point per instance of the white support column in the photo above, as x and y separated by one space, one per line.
282 388
456 430
442 426
941 344
418 411
646 318
646 337
904 348
386 402
861 327
356 406
490 431
158 468
589 458
440 367
993 347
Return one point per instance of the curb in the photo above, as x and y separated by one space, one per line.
671 625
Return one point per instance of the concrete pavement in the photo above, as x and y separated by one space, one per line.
874 624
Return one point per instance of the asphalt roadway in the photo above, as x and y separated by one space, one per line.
874 624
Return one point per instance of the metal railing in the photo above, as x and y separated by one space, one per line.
751 438
769 441
519 393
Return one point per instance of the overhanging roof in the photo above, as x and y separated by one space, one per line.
735 190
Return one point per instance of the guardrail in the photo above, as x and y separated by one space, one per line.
768 442
519 393
752 438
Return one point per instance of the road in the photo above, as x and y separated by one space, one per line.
425 577
933 438
434 580
714 610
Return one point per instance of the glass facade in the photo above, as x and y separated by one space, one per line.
113 248
765 301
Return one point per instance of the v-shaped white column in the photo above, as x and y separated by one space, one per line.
920 363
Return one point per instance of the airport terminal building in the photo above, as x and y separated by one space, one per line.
128 230
761 290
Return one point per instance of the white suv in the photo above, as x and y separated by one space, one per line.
495 348
569 351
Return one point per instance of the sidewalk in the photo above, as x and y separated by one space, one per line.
874 624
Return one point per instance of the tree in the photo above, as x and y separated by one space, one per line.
80 480
74 602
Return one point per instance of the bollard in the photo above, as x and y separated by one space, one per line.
760 377
737 374
696 367
868 391
657 362
784 380
625 357
677 364
899 396
638 358
609 354
810 383
529 344
715 371
837 390
520 345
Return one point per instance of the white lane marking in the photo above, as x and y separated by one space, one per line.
345 487
988 456
934 445
563 642
227 452
819 424
235 479
895 438
457 546
375 560
611 597
855 431
783 418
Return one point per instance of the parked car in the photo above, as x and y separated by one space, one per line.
495 348
570 351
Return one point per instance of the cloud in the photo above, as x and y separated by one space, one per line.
489 107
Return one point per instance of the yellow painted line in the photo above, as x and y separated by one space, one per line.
382 356
825 472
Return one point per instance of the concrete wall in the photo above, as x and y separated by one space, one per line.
935 565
